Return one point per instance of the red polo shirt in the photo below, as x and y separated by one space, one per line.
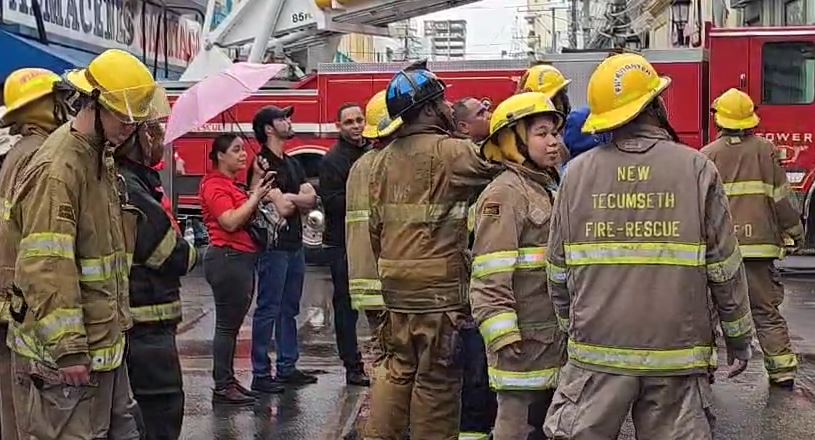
219 194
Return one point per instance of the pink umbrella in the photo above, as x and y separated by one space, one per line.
215 94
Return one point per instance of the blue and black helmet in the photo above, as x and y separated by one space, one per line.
413 86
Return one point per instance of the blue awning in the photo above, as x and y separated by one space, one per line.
19 52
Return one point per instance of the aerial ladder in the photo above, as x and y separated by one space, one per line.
303 33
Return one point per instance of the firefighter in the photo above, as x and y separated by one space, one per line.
763 216
526 349
419 188
364 284
632 253
70 303
160 259
36 107
547 79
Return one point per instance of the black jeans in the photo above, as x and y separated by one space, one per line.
478 402
155 377
231 275
345 318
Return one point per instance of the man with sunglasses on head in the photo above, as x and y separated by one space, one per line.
70 305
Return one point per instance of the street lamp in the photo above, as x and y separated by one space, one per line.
680 10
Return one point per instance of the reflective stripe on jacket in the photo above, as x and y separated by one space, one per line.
161 255
633 251
72 265
15 161
758 192
508 287
364 285
420 185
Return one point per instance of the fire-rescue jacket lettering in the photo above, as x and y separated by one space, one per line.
15 161
758 193
633 251
508 287
419 188
72 265
363 278
161 255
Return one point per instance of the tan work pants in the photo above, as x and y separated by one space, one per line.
593 406
101 410
8 422
422 379
766 296
21 390
521 413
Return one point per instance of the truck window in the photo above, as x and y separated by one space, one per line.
789 73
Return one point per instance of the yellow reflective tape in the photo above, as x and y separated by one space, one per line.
192 258
508 261
5 209
362 285
493 263
471 218
59 323
756 187
501 380
473 436
424 212
367 302
357 216
726 269
557 274
105 268
563 323
163 251
761 251
499 325
531 258
641 359
739 327
102 359
157 312
47 244
673 254
780 362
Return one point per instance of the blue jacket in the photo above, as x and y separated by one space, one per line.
576 142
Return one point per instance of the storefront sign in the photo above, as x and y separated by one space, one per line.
106 24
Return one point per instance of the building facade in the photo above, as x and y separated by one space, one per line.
447 38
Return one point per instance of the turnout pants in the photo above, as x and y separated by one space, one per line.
8 422
422 379
155 377
521 414
103 409
766 295
589 405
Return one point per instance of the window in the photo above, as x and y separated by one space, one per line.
794 12
789 73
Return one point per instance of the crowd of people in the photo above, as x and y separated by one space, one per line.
515 290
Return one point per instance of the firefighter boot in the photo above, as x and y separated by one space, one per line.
766 295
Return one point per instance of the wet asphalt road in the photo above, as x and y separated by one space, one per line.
746 407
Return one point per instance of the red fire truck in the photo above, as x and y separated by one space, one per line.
776 66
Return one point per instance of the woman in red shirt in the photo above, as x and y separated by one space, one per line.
230 259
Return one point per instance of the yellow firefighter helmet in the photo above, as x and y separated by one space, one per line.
502 143
24 86
545 79
124 85
378 123
620 88
734 110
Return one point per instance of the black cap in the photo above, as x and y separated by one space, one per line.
266 116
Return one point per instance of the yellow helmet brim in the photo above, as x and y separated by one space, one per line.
78 80
551 94
374 132
602 122
736 124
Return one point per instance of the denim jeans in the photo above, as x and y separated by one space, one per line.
345 318
231 274
478 402
280 286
